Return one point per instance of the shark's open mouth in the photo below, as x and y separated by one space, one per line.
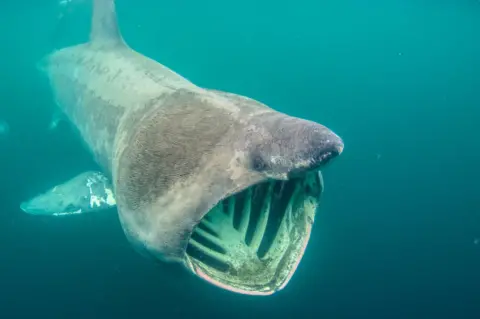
252 242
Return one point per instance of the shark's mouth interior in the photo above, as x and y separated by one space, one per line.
252 242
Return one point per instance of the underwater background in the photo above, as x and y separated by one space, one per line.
398 231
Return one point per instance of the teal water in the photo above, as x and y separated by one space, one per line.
398 232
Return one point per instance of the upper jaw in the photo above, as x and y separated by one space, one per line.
251 242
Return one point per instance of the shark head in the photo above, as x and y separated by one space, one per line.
284 147
223 185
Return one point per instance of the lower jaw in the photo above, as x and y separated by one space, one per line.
251 242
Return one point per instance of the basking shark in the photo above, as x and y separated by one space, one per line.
214 181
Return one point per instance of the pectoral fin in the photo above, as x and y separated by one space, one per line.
86 193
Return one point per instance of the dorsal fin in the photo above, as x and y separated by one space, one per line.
105 31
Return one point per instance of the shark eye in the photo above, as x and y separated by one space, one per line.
258 163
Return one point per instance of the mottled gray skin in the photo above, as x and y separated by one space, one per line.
172 149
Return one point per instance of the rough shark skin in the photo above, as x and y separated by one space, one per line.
186 162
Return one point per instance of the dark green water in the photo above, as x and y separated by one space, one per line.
396 234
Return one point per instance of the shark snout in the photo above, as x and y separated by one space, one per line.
315 147
325 146
293 146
